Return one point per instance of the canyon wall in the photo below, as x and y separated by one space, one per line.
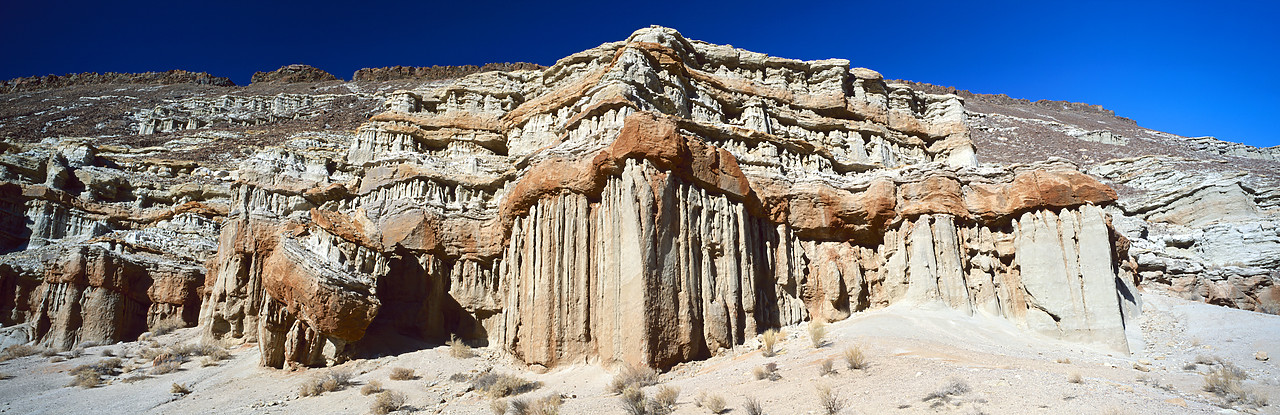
649 201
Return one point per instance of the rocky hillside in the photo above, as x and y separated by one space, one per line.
650 201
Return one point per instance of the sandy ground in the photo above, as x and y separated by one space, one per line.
912 352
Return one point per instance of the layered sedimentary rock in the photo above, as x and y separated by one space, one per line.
436 72
176 76
294 73
652 201
1200 231
95 255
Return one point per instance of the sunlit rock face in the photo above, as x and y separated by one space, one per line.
649 201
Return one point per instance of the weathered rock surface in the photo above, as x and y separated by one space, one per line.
295 73
649 201
436 72
652 201
176 76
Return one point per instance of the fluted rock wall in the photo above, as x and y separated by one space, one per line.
651 202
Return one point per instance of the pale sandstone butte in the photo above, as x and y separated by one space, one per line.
652 201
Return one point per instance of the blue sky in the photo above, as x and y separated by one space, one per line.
1190 68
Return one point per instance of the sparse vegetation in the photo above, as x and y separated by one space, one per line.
827 367
498 406
1189 366
854 358
5 376
167 366
633 401
768 342
402 373
166 327
179 389
108 353
818 333
955 387
664 400
328 382
752 406
829 400
89 376
1063 360
169 359
1075 377
632 375
767 371
714 403
459 349
1226 381
500 385
548 405
19 350
387 402
372 387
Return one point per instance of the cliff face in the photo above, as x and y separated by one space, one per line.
652 201
649 201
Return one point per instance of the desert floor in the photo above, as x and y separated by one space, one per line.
912 353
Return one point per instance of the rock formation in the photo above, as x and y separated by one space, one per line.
436 72
176 76
649 201
295 73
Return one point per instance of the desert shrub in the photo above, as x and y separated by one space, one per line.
548 405
633 400
460 377
500 385
664 400
955 387
827 367
829 400
19 350
166 327
818 333
208 361
179 389
5 376
766 371
638 376
1189 366
715 404
752 406
47 352
328 382
133 379
854 358
1206 360
1075 377
387 402
402 373
167 366
768 341
86 379
498 406
1063 360
459 349
108 353
371 388
88 376
1226 381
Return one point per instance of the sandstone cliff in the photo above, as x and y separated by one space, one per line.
652 201
649 201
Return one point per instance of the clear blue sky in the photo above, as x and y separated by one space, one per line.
1190 68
